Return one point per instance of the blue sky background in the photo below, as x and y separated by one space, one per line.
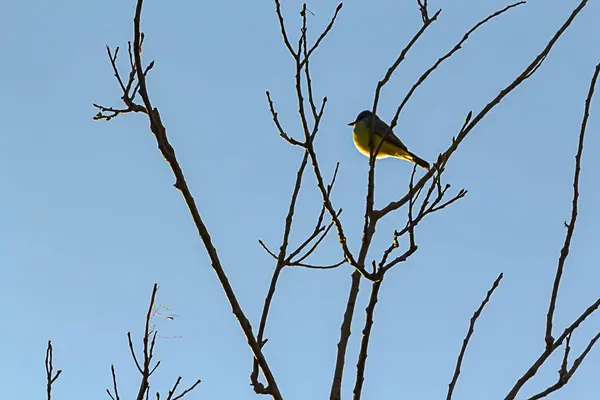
90 220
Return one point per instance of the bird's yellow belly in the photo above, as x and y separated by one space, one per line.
361 141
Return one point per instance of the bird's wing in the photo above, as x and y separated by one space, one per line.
381 128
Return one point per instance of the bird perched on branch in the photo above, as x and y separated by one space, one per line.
391 147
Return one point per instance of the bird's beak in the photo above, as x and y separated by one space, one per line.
352 123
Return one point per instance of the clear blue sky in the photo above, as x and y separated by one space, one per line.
90 220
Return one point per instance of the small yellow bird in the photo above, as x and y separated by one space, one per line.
391 147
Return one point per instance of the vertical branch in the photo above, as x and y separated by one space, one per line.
50 377
115 386
564 252
345 332
148 348
551 343
364 345
281 258
463 349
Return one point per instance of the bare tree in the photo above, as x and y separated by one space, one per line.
426 195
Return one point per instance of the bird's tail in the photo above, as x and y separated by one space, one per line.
419 161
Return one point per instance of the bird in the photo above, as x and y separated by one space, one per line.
391 147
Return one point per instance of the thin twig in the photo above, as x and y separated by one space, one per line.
147 349
472 123
463 349
565 374
172 391
323 34
564 252
446 56
50 377
114 379
551 343
423 9
259 387
264 246
535 366
282 133
282 26
137 364
331 266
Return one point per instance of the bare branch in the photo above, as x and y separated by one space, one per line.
345 332
364 345
172 391
50 376
281 258
446 56
137 364
323 34
264 246
565 374
551 343
114 378
319 229
423 9
472 123
167 151
332 266
564 252
283 32
463 349
144 384
316 244
311 100
282 133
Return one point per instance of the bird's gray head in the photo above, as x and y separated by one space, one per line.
363 115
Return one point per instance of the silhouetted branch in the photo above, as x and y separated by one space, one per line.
463 349
284 259
551 343
145 368
264 246
423 10
565 373
472 123
564 252
322 35
364 345
282 133
446 56
50 376
147 350
115 388
332 266
167 151
259 387
345 332
186 391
